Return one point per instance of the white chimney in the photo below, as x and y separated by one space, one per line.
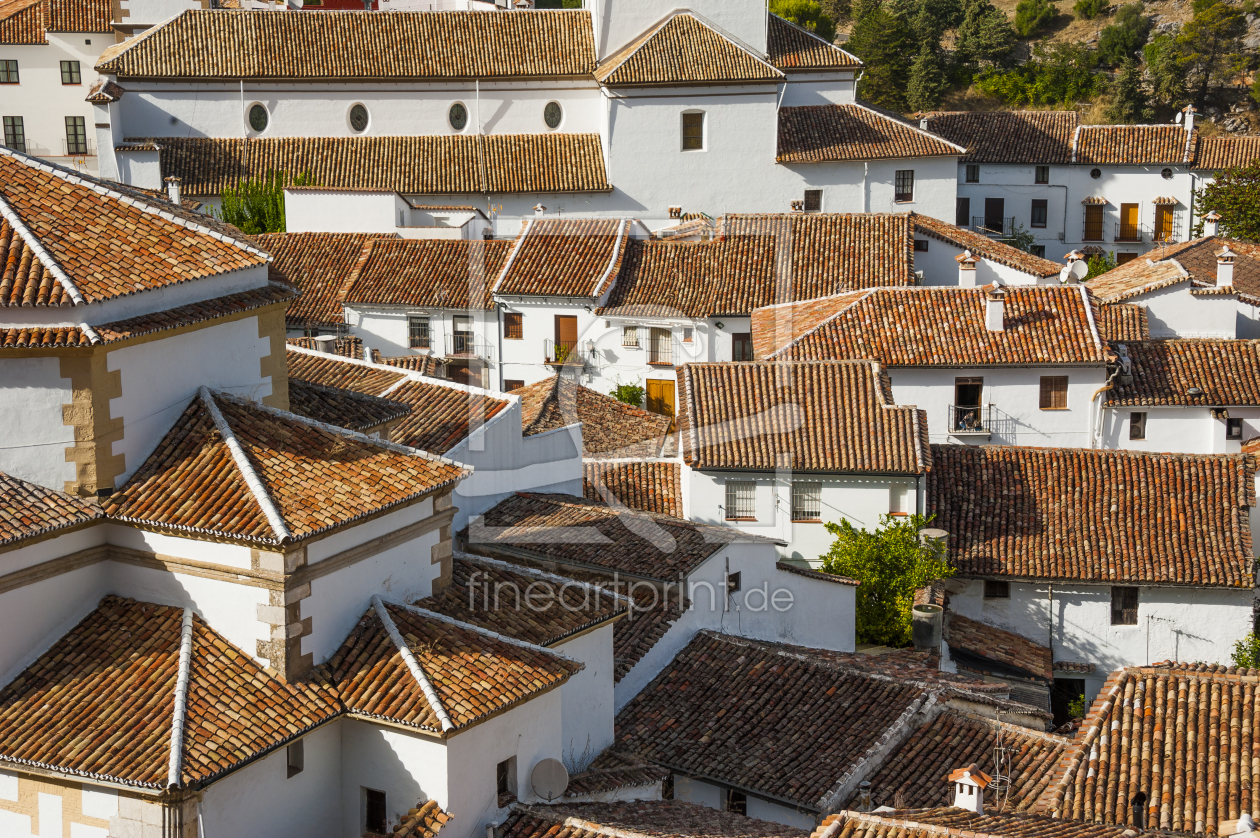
1212 223
995 308
172 189
969 785
1189 111
967 269
1225 268
539 210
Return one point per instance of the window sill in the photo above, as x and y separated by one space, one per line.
903 200
660 363
900 514
807 520
1049 409
741 519
1037 226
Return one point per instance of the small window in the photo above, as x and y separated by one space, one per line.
921 245
458 116
14 133
510 384
505 781
553 115
898 499
374 811
1095 173
358 118
1040 212
740 500
1054 392
296 758
418 332
1233 429
693 132
688 334
9 71
70 73
1038 250
258 118
741 346
76 135
903 186
962 212
1137 425
737 802
1166 174
514 326
813 200
630 336
806 501
973 173
734 582
1042 175
995 589
1124 606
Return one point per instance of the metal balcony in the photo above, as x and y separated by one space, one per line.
1135 233
81 148
970 420
994 227
468 346
563 353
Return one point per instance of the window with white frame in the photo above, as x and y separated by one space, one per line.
630 336
693 131
806 501
898 499
418 332
741 498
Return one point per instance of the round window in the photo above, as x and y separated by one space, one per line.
1095 173
358 119
1166 174
258 118
552 114
458 116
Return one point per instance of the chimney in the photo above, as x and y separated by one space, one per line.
1189 111
864 796
969 785
1212 223
995 308
539 210
1225 268
172 189
967 269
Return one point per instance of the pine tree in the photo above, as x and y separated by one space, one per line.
927 81
1130 99
885 44
985 35
1031 15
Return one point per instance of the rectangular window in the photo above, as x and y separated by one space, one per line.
296 759
1163 223
1233 429
510 384
505 781
994 589
630 336
70 73
418 332
741 498
14 133
898 499
514 326
813 200
806 501
973 173
374 811
688 334
1137 425
737 802
1124 606
1042 175
693 132
8 71
660 347
921 245
1054 391
741 346
1040 212
1128 231
76 135
1038 250
903 185
1093 223
734 582
962 212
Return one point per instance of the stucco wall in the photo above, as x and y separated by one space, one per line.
1187 430
617 22
1176 313
1015 185
940 267
409 767
1126 184
31 414
587 698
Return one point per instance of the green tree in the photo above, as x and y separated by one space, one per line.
838 10
806 14
257 204
985 35
631 394
1099 264
1246 653
1032 15
1235 194
891 563
1058 75
1020 239
1211 47
1089 9
885 44
1129 97
927 81
1126 36
1165 73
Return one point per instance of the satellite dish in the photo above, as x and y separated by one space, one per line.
549 779
1177 118
1078 270
1064 273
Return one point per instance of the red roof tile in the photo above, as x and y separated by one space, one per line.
564 258
985 247
318 265
333 370
1123 322
343 408
610 429
28 510
1132 144
1226 371
79 16
639 819
42 337
612 770
423 821
794 49
684 48
952 822
442 273
1216 153
825 133
649 486
23 22
1043 137
995 644
442 416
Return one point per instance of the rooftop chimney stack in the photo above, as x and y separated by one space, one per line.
1225 268
539 210
995 308
172 189
969 785
967 269
1212 223
1189 111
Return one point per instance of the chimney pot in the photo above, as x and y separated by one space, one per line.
1212 223
995 308
967 269
1225 267
172 190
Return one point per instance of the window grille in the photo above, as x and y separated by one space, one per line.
418 332
630 336
903 185
741 498
806 501
514 326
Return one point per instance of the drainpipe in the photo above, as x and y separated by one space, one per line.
1095 412
866 195
1050 601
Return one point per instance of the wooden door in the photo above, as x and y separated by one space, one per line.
1093 223
994 209
1128 223
1163 223
660 396
566 336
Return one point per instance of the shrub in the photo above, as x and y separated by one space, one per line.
1090 9
1099 264
1247 652
1235 194
1076 707
1058 75
1124 38
1032 15
631 394
257 204
806 14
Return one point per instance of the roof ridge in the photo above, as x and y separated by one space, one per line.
246 468
413 665
46 259
813 35
1089 302
619 249
180 713
782 349
526 227
442 618
875 109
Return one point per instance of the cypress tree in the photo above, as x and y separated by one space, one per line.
927 81
885 44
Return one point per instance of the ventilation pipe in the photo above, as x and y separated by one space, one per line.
926 628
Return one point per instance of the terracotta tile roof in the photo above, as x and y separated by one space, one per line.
1094 515
799 570
1181 734
303 478
824 133
995 644
28 510
343 346
23 22
985 247
1132 144
1198 258
1227 371
633 638
104 92
612 770
745 268
332 370
917 770
1136 278
318 265
1123 322
42 337
346 45
343 408
684 48
442 416
806 416
100 703
423 821
1216 153
638 819
429 366
610 429
473 672
777 326
555 257
81 240
443 273
1043 137
569 529
946 327
458 164
952 822
79 16
652 486
793 49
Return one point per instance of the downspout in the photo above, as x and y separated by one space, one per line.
866 195
1050 601
1095 414
244 130
1063 186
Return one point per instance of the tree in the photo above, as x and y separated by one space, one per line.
1126 36
631 394
1020 239
927 81
1130 100
1089 9
1060 75
891 563
838 10
1246 653
1099 264
1211 47
806 14
1164 72
1032 15
1235 194
985 36
884 43
257 204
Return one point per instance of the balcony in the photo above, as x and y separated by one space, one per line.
563 353
468 346
79 148
1129 232
970 420
993 227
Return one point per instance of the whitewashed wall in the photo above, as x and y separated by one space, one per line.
345 211
806 89
1186 430
617 22
940 267
1015 185
411 768
385 328
523 360
31 414
587 698
1176 313
1125 184
707 794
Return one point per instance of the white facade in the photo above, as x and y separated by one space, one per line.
1183 429
938 260
1176 312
